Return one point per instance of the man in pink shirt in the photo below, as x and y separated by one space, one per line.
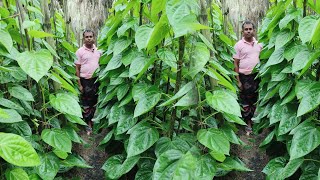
87 62
245 59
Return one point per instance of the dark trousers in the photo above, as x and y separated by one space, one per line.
89 97
248 95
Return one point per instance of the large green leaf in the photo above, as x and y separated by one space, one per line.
39 34
233 164
301 60
199 58
291 168
168 57
206 168
35 64
125 122
268 139
164 144
49 166
149 99
107 138
313 57
184 90
17 151
285 87
289 17
274 167
137 65
142 137
233 118
57 78
118 165
223 101
308 28
75 119
20 93
9 116
304 140
277 112
182 16
129 56
122 91
6 40
66 103
291 52
185 167
289 119
156 7
214 139
143 35
159 32
221 79
174 164
57 138
116 113
127 25
145 67
230 133
275 58
50 48
283 38
75 161
191 98
121 45
16 174
310 98
114 63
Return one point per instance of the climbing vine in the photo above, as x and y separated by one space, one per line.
289 88
39 109
167 92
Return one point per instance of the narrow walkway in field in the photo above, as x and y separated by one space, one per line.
254 157
92 154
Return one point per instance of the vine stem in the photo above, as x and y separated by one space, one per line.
178 83
312 160
15 15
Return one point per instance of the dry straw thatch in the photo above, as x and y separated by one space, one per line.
86 14
239 10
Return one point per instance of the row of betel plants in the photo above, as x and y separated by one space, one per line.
289 90
165 119
39 109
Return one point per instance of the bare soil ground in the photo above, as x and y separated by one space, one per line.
93 155
251 155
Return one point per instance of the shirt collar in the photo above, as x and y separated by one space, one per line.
92 49
250 43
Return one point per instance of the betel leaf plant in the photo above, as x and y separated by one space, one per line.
165 119
38 120
289 89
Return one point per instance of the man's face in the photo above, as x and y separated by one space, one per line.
248 31
88 38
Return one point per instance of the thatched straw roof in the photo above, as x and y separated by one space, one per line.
86 14
240 10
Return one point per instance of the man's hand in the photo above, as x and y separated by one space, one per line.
81 88
240 85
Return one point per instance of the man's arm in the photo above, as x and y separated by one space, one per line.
236 69
78 66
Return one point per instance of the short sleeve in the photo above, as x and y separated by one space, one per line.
261 46
237 49
78 60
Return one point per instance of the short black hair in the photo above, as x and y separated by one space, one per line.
248 22
87 30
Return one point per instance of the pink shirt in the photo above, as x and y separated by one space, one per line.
89 61
248 54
